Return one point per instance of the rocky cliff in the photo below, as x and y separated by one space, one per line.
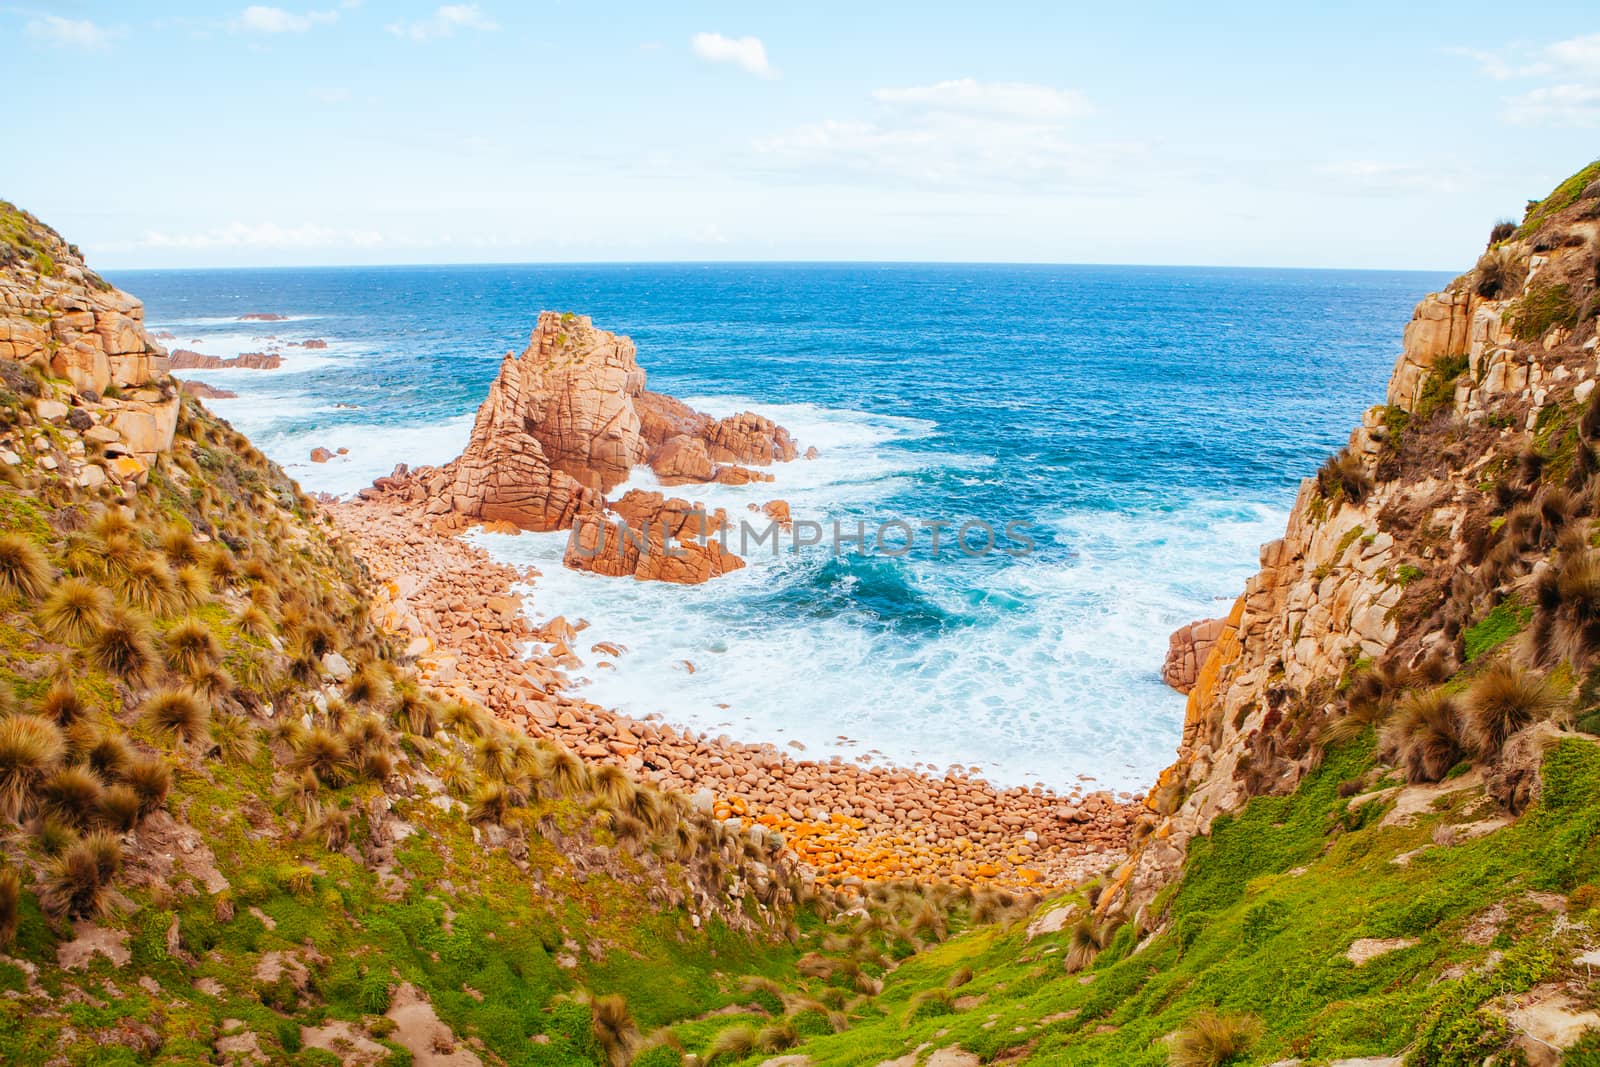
1443 506
239 825
99 371
564 424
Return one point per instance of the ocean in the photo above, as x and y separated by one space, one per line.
1150 424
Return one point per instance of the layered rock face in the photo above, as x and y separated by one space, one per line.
61 318
1377 564
1187 650
567 421
56 312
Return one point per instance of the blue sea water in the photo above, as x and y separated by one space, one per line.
1151 423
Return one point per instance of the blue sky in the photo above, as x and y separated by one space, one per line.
1375 135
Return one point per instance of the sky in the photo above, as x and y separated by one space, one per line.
1381 135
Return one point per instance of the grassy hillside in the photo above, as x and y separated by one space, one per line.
234 828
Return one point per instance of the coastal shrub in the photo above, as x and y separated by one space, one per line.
1343 476
1439 387
1212 1040
23 569
1541 309
1503 230
662 1055
1561 197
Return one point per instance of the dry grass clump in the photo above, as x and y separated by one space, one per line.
151 779
123 646
1567 624
1499 273
75 610
1343 474
178 714
614 1029
324 753
72 795
1212 1040
30 748
731 1045
146 583
191 647
235 737
61 704
1503 700
120 807
491 803
1424 736
1088 939
10 905
23 569
76 887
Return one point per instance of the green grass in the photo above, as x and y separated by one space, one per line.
1269 904
1505 621
1562 197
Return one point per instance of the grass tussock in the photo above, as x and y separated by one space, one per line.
178 714
1212 1040
24 571
1505 699
1424 736
30 748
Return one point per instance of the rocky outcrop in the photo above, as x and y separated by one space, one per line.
204 391
186 359
1379 561
653 538
58 314
568 420
86 339
1187 649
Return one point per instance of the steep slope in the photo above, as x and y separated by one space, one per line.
1381 837
235 827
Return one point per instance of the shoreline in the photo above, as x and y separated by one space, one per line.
464 625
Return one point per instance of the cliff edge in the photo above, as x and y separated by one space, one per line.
1441 508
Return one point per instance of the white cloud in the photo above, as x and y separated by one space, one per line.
265 235
957 134
445 22
746 53
70 33
260 19
1570 70
1377 176
1556 105
968 96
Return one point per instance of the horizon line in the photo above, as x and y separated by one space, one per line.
482 264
